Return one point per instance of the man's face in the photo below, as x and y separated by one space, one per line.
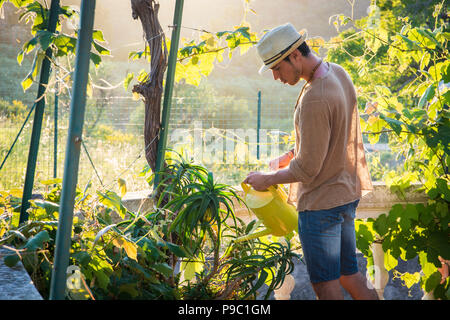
287 72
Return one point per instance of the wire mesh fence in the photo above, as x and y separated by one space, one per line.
226 136
113 142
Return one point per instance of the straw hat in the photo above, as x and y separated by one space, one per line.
278 43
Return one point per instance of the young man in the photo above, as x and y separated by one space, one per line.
327 169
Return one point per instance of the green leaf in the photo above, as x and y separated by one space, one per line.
395 213
96 60
49 207
112 201
393 123
442 187
65 45
102 232
222 33
381 225
163 268
82 257
426 216
101 50
177 250
433 193
411 212
433 281
442 209
98 35
427 95
261 280
440 242
37 242
45 39
11 260
27 48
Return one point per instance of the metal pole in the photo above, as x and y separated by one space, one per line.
258 125
168 89
55 134
38 116
71 161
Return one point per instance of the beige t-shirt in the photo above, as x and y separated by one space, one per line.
329 160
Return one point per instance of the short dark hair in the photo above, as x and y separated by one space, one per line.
304 50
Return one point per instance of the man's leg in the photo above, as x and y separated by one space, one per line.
356 285
351 279
320 235
328 290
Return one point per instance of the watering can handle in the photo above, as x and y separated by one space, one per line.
245 187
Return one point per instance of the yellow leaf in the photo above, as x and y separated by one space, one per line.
89 89
16 193
410 279
2 231
136 96
190 268
122 187
180 72
129 247
316 43
209 39
26 83
206 64
244 48
370 107
372 119
192 75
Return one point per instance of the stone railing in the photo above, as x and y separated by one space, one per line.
379 201
15 283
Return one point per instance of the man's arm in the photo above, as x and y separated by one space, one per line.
260 181
315 131
282 176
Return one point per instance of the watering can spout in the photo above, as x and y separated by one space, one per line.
255 235
271 207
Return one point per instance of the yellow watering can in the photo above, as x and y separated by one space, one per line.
271 207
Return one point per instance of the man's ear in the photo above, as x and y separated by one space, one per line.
295 55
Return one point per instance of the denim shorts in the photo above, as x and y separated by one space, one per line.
328 242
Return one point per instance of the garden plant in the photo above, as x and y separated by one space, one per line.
183 247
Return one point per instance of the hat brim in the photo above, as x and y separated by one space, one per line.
303 36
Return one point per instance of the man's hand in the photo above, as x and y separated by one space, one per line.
280 162
260 181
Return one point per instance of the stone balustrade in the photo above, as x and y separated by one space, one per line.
15 283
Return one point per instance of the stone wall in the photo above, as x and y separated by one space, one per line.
15 283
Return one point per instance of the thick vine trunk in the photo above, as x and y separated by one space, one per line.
151 89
